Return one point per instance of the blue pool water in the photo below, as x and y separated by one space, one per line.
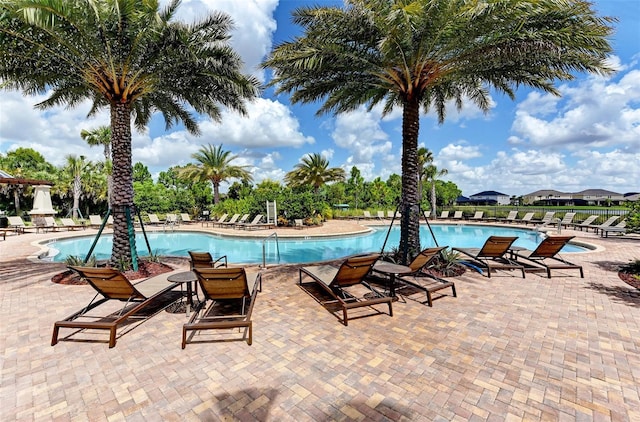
292 251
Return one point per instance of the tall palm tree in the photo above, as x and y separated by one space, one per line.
432 174
75 168
130 57
101 136
214 165
313 170
421 54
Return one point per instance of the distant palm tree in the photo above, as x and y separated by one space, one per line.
432 174
75 168
422 54
101 136
425 157
214 165
130 57
314 171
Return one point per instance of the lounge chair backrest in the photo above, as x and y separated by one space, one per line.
234 218
457 214
223 283
244 218
390 213
512 215
424 257
68 222
528 216
380 214
185 217
171 218
367 214
589 220
548 216
109 282
354 270
478 215
222 218
200 259
50 222
256 219
568 218
15 221
550 246
496 246
609 221
153 218
445 214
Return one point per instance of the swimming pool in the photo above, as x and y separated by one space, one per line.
292 251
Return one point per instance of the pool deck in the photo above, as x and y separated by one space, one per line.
506 348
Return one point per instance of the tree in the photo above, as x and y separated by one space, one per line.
431 175
355 184
423 54
101 136
75 168
214 165
313 170
126 55
141 173
24 163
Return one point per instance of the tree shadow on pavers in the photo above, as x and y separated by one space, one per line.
359 409
255 403
625 295
613 266
20 272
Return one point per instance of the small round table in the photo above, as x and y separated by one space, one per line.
392 270
185 277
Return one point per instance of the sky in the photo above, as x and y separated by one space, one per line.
589 138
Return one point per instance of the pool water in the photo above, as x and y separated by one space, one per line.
292 251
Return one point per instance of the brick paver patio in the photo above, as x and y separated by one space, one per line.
506 348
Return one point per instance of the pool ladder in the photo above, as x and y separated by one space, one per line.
264 253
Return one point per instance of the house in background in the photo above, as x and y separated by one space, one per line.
490 197
598 197
547 197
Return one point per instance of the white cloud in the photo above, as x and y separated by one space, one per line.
253 26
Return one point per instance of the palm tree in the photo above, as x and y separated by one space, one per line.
421 54
313 170
75 168
101 136
129 56
432 174
214 165
425 157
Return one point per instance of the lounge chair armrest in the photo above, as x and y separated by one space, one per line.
222 261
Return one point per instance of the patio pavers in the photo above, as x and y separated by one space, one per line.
506 348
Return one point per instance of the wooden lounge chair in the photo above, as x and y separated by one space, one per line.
588 222
95 221
444 214
457 215
45 224
546 254
255 224
342 282
185 218
546 219
113 285
171 220
566 221
205 260
426 282
380 215
493 254
69 224
230 302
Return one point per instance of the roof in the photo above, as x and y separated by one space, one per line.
7 179
547 192
489 193
601 192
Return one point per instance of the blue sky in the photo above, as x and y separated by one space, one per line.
588 138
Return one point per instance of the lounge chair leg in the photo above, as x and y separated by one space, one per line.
184 337
112 337
250 339
429 302
54 339
345 319
390 309
453 287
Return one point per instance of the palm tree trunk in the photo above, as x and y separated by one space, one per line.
122 194
77 191
216 192
410 221
434 206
